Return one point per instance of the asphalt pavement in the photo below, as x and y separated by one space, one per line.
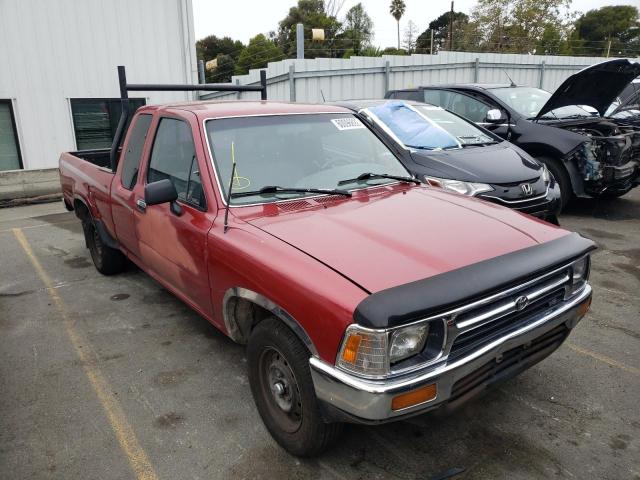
114 378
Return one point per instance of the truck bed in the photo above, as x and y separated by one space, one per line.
85 176
98 157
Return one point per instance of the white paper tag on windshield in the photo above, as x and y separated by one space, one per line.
347 123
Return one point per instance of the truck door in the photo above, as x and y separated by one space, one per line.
122 190
174 245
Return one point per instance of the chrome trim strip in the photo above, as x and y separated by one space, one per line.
530 199
509 307
236 333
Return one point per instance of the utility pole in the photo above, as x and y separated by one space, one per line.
451 28
609 47
299 41
431 44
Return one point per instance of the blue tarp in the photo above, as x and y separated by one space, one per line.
411 128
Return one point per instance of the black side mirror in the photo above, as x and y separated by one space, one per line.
159 192
162 191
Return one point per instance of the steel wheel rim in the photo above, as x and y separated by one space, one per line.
280 389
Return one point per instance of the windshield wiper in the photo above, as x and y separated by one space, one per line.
367 175
276 189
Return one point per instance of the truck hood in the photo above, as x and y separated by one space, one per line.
389 236
596 86
495 164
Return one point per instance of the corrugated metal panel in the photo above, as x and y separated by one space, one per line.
53 51
365 76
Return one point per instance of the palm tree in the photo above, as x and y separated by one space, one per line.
396 9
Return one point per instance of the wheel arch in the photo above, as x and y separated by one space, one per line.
243 309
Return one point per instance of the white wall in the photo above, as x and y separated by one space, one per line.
54 50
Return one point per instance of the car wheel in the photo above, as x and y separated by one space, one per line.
107 260
561 176
283 390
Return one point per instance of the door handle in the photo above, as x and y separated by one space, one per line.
141 204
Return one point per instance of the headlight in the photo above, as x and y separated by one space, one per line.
407 342
375 353
580 273
458 186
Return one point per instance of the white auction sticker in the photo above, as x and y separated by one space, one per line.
347 123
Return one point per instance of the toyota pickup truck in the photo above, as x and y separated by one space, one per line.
361 294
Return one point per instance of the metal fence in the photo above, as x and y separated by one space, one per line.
330 79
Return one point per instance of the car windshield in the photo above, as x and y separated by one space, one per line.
427 127
314 151
464 131
529 101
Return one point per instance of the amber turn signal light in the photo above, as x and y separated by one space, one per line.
350 352
583 308
414 397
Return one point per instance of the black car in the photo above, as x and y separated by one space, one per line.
588 155
447 151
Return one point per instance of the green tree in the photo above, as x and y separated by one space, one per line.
312 14
209 48
440 27
618 24
258 53
517 25
357 28
394 51
397 9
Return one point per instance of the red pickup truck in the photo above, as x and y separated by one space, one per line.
361 294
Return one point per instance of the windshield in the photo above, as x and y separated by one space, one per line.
465 132
428 127
529 101
411 128
296 151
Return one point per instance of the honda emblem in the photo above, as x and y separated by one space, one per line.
526 189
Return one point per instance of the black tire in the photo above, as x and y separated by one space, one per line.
562 178
276 355
107 260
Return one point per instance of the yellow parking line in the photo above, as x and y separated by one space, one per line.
7 230
604 359
126 437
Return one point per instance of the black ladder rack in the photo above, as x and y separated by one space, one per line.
125 88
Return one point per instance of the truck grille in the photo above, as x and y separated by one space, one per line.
493 319
510 364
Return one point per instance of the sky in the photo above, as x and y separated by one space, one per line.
243 19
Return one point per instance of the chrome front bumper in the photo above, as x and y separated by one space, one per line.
369 401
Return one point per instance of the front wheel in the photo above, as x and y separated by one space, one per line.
283 390
562 178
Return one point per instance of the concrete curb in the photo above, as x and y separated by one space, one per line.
18 184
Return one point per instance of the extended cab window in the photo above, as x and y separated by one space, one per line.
174 157
131 159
